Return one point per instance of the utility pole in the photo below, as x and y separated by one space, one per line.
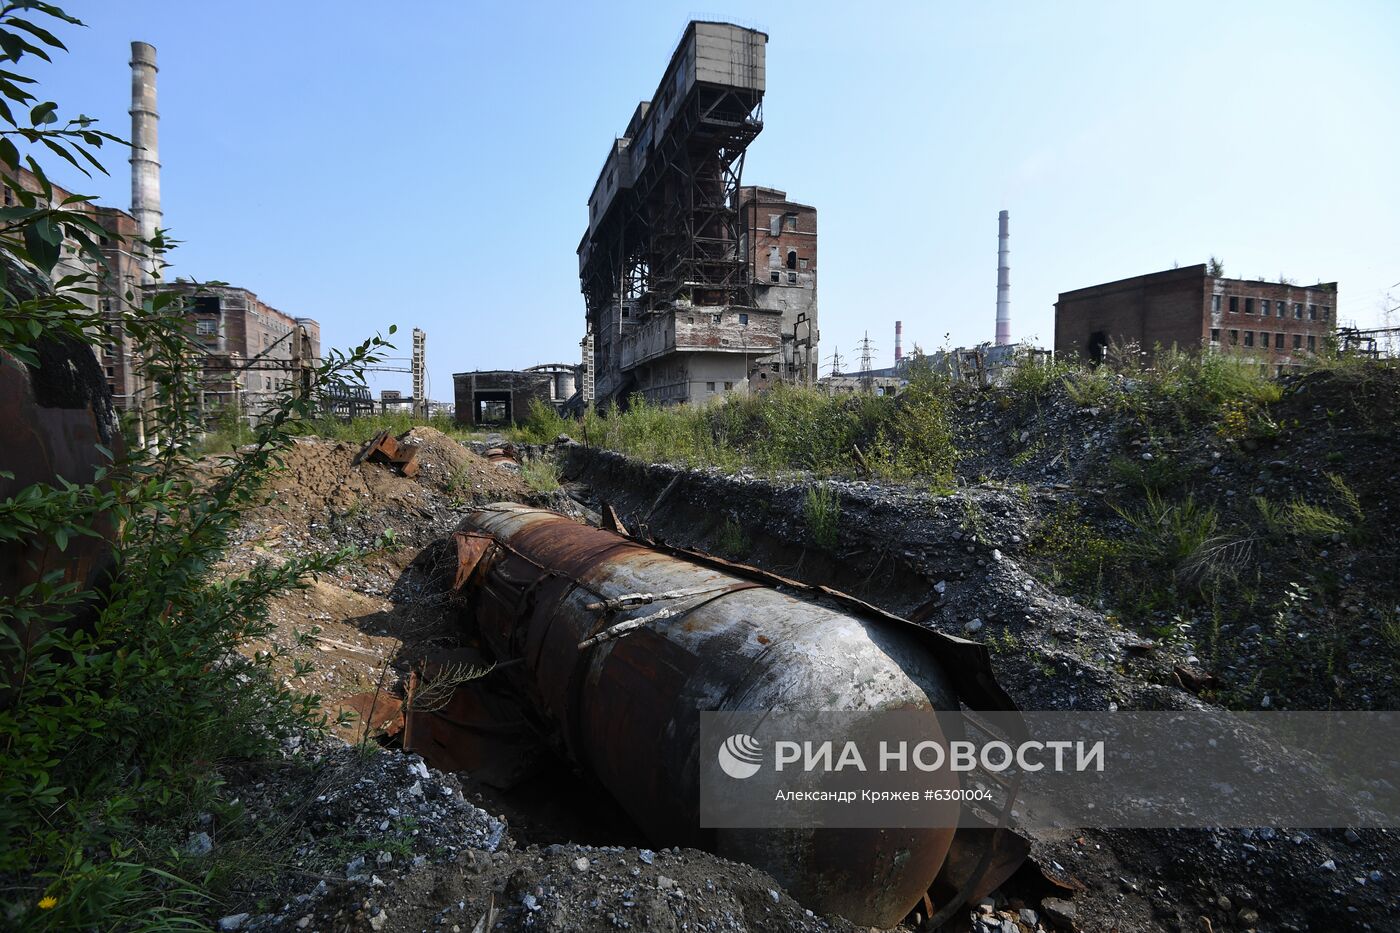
836 362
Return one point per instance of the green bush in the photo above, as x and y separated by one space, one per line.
112 733
542 425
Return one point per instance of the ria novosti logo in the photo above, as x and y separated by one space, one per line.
741 756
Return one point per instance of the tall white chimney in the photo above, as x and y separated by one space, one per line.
145 149
898 341
1003 282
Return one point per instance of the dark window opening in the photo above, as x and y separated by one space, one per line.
792 261
775 277
1234 338
1312 343
1215 335
1098 347
1249 338
1249 306
1234 304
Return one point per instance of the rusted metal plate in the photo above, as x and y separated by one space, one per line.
376 713
470 549
387 449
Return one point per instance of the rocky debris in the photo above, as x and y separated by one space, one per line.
425 858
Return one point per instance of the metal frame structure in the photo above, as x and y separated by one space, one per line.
670 236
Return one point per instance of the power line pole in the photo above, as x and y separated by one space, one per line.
867 381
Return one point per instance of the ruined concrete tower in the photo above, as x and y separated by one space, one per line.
145 149
1003 281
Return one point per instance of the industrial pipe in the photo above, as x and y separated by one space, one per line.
622 679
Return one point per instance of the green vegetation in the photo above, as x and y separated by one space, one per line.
901 438
118 704
821 507
541 476
731 540
542 425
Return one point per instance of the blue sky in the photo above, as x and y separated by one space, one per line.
428 164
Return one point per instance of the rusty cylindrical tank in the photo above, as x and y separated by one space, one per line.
627 709
53 417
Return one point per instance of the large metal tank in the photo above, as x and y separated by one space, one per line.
628 709
53 417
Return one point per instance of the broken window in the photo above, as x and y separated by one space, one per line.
1312 312
792 261
773 260
802 264
1249 306
792 221
743 318
206 327
1282 308
1297 341
1249 338
716 318
775 277
1234 338
1326 312
792 278
728 386
709 386
1264 339
1278 341
1312 343
1298 310
774 220
1215 303
1234 304
1215 335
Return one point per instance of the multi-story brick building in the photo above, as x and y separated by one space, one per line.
253 350
780 248
114 279
1189 309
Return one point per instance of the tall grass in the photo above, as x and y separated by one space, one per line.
793 428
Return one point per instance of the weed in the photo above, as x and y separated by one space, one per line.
822 510
542 425
730 540
541 476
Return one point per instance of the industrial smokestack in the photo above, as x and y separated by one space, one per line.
898 341
1003 282
145 149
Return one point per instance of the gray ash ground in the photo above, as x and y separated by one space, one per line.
371 839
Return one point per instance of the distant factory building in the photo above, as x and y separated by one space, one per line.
253 351
1279 323
499 397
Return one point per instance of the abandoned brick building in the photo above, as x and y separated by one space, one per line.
500 396
779 243
678 263
253 351
1189 309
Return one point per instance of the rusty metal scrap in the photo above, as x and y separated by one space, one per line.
550 599
385 448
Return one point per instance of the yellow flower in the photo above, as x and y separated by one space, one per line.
48 902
